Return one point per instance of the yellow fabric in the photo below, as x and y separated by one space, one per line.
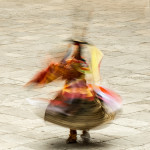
79 90
96 57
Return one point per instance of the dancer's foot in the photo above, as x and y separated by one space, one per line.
72 137
85 136
71 140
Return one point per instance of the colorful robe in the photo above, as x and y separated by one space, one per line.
77 105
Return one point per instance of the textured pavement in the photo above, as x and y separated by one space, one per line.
31 29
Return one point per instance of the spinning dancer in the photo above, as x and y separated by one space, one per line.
78 106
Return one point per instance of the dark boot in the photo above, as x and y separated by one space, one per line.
72 137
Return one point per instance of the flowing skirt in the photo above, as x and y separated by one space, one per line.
80 114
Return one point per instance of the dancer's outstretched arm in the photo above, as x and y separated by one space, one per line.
45 76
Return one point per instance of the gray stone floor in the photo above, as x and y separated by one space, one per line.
31 29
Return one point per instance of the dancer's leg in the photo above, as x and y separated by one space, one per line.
85 136
72 136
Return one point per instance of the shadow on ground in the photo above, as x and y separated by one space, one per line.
80 145
59 143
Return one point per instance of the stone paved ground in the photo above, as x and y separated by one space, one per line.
30 29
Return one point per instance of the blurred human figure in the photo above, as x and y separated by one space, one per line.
77 106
